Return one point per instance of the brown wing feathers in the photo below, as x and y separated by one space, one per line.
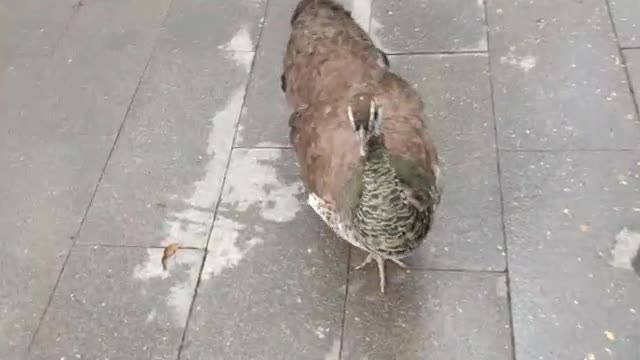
327 62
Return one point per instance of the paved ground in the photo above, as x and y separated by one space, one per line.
127 125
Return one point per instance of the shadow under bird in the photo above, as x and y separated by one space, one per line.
358 130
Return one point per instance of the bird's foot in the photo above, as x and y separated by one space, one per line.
380 262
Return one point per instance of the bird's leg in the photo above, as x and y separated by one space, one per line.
365 262
380 262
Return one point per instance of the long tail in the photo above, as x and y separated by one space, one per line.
328 4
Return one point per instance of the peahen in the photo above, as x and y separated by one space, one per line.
366 160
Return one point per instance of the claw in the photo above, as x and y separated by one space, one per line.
381 270
400 263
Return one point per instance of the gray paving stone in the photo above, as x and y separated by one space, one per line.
572 220
37 216
118 303
557 77
468 229
427 315
264 121
210 24
57 130
165 175
632 58
32 27
274 279
429 26
626 15
87 87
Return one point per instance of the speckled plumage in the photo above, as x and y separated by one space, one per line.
387 223
358 131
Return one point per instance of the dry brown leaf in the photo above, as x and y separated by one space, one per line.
585 227
169 251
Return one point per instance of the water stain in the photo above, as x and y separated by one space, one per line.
626 252
525 63
190 226
182 277
276 201
226 249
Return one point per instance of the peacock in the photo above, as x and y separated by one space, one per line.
358 130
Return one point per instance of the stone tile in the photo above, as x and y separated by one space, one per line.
468 230
87 87
57 130
274 275
32 27
626 16
557 76
210 24
427 315
118 303
264 120
632 58
401 26
572 223
164 178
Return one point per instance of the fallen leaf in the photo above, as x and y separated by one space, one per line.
169 251
611 336
585 227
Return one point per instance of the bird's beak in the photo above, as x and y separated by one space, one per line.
363 142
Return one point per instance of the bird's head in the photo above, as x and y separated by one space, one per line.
366 119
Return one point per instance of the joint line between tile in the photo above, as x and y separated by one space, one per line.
501 191
623 60
568 150
346 299
437 53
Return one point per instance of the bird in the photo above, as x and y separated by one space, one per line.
366 158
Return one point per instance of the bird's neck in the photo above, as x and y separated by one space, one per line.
379 176
385 220
383 205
